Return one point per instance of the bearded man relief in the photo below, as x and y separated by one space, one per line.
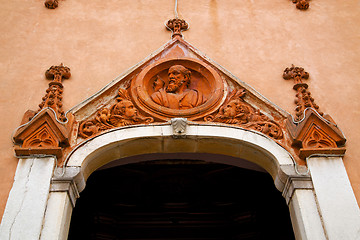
122 113
176 95
236 111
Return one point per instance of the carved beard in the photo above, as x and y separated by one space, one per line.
172 87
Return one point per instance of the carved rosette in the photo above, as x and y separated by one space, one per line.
122 113
303 95
236 111
177 25
301 4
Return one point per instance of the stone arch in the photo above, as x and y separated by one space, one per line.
51 212
125 143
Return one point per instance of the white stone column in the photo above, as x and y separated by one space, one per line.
57 218
305 216
25 208
63 195
336 201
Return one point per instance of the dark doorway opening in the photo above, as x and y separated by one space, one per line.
180 200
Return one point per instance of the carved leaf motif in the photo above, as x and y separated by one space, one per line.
122 113
236 111
179 125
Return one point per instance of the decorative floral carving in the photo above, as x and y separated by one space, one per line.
301 4
304 99
236 111
177 25
53 96
51 4
122 113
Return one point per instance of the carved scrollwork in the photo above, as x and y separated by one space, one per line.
236 111
122 113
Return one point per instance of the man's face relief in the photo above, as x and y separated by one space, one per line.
176 79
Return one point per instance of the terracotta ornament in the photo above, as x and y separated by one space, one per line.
44 134
51 4
176 95
177 25
122 113
237 112
312 132
301 4
53 96
304 99
173 88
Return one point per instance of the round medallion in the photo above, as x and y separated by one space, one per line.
183 87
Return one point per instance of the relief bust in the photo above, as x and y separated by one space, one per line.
176 95
181 87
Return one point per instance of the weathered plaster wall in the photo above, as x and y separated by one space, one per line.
255 40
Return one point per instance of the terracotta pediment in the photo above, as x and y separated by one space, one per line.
43 135
316 134
178 81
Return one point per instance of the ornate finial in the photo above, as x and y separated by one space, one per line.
301 4
51 4
304 99
53 97
176 26
58 73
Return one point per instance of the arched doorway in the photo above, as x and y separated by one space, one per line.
181 199
60 188
146 143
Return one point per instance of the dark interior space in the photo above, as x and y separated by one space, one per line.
180 200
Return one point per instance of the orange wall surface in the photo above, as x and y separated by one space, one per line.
254 39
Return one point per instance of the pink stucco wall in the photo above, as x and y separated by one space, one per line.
255 40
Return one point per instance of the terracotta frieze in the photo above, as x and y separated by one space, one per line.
179 88
122 113
301 4
236 111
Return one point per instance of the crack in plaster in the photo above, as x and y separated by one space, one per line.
23 199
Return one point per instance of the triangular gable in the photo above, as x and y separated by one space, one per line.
42 135
174 49
205 99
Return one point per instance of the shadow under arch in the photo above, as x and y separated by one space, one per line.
128 144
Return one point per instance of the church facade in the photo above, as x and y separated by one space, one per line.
207 99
